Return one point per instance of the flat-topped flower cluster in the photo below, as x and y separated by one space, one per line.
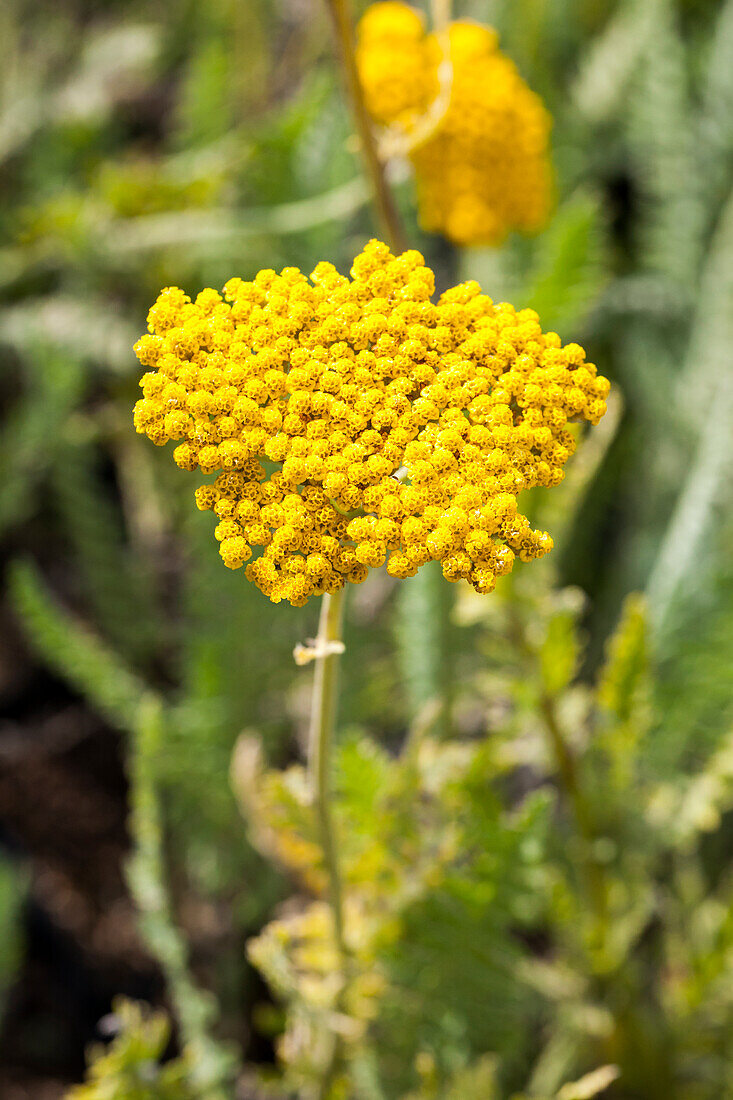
482 169
355 421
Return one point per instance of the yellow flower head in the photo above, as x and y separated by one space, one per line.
354 421
483 169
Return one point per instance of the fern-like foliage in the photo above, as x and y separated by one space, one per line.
73 651
117 585
33 430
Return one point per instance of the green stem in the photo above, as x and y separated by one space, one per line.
384 204
320 743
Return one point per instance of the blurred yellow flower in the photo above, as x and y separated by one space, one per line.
354 421
482 169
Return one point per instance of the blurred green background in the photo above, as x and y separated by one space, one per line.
143 145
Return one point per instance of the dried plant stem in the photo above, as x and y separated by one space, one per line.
383 199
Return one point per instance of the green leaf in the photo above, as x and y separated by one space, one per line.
569 268
560 651
693 700
624 677
422 630
13 888
716 120
212 1064
362 774
131 1066
612 58
707 381
118 587
206 104
671 229
477 1081
32 431
74 651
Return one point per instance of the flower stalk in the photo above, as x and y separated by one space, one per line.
320 741
328 648
384 204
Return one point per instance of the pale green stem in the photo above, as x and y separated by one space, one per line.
328 646
323 713
320 738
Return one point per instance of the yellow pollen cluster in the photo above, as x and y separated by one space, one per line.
483 169
355 421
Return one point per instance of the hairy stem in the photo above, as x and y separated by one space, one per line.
383 199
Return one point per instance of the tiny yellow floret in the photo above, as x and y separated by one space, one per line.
353 422
482 169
